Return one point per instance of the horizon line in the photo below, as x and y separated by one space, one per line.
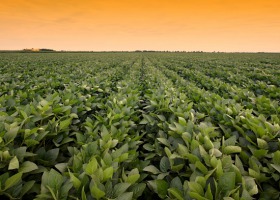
27 50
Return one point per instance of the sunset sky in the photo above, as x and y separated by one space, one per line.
98 25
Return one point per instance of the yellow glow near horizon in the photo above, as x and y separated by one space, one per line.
191 25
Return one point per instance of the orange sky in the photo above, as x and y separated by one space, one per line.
191 25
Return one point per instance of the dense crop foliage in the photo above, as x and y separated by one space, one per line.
139 126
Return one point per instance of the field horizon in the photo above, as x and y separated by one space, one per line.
130 51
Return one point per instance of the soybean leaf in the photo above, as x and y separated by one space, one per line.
26 187
152 169
164 164
27 166
13 180
65 124
108 173
138 189
76 182
159 186
227 182
91 166
96 192
120 188
232 149
14 164
11 134
126 196
132 178
176 193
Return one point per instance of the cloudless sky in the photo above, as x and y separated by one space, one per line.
191 25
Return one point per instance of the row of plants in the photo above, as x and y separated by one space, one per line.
39 127
256 67
260 104
245 130
261 77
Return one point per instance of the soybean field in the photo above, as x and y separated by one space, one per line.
140 125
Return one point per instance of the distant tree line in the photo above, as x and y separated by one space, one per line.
40 50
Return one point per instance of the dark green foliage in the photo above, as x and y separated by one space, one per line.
139 126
